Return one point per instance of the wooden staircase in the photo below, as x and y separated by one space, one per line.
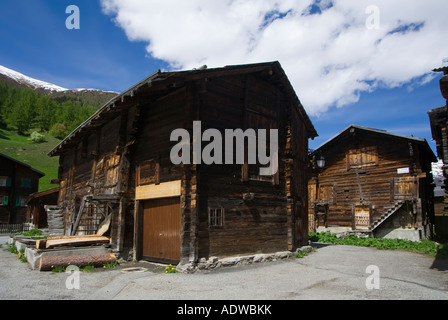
94 210
389 212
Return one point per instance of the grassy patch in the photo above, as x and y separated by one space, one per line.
13 249
34 154
301 254
31 233
431 248
111 265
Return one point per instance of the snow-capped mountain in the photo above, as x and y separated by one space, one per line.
86 96
22 80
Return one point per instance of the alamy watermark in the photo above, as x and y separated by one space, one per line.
73 281
212 153
373 20
73 21
373 280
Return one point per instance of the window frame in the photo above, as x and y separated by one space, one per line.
5 181
25 183
216 217
363 153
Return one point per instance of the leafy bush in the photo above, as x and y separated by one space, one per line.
58 130
36 137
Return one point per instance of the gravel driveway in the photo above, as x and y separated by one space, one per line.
331 272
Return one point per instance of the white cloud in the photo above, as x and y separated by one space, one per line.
328 53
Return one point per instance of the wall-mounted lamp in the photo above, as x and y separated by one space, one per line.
320 161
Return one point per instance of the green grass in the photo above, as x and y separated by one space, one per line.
33 154
429 247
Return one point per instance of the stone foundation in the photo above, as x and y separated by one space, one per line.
213 263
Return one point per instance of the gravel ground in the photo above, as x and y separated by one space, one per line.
331 272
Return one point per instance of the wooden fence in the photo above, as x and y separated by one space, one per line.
14 228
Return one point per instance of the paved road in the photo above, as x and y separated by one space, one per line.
331 272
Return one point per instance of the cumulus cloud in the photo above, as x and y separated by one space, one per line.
332 51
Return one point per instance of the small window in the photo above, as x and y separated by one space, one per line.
4 200
251 172
254 174
20 202
5 182
26 183
148 173
327 194
216 217
363 157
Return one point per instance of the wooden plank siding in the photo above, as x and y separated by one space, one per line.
255 225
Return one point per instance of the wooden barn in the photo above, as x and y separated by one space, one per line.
118 164
373 181
36 202
17 181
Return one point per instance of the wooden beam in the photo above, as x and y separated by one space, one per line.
48 263
76 241
163 190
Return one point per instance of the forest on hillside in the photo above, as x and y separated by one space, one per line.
23 109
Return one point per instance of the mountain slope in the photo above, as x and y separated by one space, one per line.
85 96
20 80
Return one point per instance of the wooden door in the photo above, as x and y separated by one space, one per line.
161 230
362 217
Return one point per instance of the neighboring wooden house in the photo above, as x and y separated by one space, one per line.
17 181
118 162
374 181
439 128
36 202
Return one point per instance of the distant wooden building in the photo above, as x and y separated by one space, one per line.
439 128
118 163
373 181
36 202
17 181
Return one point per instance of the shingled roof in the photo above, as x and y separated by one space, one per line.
353 128
39 173
161 83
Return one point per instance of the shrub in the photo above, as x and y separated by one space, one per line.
36 137
59 131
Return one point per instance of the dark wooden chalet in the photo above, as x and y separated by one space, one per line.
118 163
17 181
374 181
439 128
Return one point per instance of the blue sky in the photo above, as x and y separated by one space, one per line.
343 73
